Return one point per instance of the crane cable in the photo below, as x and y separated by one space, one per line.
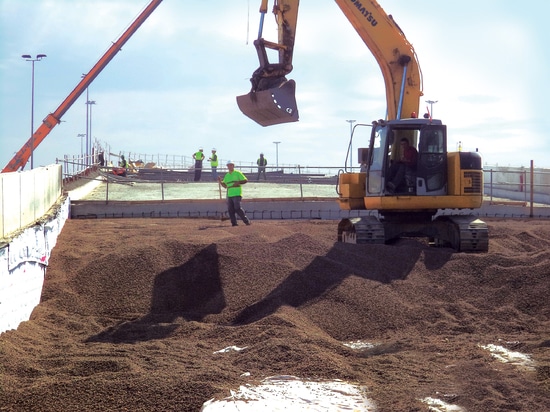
247 22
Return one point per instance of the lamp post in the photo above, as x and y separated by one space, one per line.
29 58
85 161
88 123
88 126
277 154
350 142
81 135
90 103
431 103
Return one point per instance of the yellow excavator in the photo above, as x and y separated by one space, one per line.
437 181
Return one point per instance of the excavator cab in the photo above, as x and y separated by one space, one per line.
271 106
428 177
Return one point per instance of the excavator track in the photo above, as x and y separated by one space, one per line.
463 233
466 233
361 230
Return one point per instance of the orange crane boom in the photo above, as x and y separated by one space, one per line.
21 158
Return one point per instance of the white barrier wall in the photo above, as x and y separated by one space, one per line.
32 214
26 196
23 264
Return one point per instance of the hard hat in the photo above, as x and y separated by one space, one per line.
230 162
213 149
261 154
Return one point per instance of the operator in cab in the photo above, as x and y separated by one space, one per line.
403 170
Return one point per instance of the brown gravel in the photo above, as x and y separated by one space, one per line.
133 310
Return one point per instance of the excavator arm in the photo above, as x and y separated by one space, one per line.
21 158
272 97
269 75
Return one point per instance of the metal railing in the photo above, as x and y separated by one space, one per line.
160 184
527 185
520 184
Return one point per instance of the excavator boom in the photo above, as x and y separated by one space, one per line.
393 52
21 158
272 97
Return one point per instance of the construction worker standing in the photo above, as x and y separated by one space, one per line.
233 181
213 159
262 163
199 157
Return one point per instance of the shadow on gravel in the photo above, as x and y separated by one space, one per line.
327 272
190 291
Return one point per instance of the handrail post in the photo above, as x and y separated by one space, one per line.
532 188
300 180
162 183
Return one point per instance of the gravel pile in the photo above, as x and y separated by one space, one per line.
133 311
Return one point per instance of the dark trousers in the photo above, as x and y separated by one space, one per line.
198 170
400 174
234 208
261 170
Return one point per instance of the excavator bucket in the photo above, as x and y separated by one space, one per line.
271 106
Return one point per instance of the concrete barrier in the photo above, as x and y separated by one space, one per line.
26 196
23 263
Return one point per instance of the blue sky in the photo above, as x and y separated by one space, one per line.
172 88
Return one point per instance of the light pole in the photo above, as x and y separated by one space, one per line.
350 142
277 154
81 135
29 58
431 103
89 104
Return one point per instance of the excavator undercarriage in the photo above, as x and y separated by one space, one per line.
463 233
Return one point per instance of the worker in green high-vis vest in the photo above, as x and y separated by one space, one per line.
233 182
199 157
213 159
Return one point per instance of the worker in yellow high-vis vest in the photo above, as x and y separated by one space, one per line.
213 159
199 157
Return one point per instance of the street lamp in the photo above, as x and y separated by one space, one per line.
89 104
81 135
431 103
29 58
277 154
350 143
